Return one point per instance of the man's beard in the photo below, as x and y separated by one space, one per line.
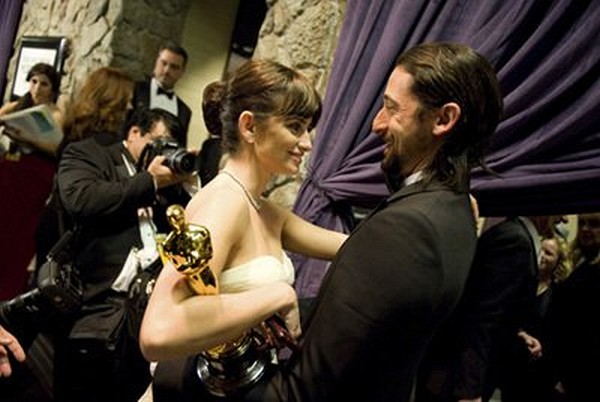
392 170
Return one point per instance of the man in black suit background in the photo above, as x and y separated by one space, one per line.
114 202
488 343
158 91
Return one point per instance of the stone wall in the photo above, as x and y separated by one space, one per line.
126 33
302 34
119 33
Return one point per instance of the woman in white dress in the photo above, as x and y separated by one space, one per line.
268 111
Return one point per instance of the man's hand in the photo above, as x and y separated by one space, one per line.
8 343
162 175
533 344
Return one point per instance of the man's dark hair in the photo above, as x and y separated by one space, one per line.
451 72
175 48
145 119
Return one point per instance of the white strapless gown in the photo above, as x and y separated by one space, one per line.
254 273
257 272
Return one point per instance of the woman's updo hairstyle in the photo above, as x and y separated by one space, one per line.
266 88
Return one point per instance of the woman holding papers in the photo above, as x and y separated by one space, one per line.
27 166
43 90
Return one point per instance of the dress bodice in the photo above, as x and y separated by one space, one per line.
256 272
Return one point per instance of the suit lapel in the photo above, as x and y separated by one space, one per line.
117 153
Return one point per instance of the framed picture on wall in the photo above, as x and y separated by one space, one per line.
37 49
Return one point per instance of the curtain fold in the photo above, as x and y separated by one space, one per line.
10 14
546 151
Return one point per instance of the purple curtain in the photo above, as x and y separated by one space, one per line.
10 14
546 151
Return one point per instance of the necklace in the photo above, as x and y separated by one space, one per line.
253 201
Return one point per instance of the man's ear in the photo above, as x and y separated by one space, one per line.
446 119
134 133
246 126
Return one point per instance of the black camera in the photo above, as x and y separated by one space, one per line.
58 292
177 158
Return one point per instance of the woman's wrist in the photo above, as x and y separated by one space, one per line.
285 295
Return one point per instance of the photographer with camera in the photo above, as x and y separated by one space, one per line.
115 194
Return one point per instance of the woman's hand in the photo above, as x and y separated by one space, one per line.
277 335
13 132
283 329
291 317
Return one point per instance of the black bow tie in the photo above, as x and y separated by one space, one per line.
168 94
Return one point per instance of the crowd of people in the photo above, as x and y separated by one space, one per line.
401 315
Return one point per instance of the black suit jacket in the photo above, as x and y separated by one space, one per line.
394 281
103 199
479 344
574 335
97 190
141 99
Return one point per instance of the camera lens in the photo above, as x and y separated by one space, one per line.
181 161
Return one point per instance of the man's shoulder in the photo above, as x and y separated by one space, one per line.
507 227
509 235
424 189
183 104
83 144
427 196
145 82
142 86
97 144
424 210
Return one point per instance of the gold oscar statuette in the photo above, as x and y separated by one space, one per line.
229 368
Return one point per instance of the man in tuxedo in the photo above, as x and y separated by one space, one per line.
158 91
114 202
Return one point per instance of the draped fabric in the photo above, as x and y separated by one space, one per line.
546 151
10 14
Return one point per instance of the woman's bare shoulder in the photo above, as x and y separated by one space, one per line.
58 114
217 201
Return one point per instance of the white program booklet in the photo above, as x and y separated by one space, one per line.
35 124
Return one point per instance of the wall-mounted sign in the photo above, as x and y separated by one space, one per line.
37 49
